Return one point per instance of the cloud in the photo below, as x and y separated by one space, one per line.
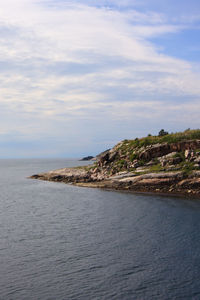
66 67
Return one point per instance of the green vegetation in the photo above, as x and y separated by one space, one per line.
129 155
129 151
156 168
187 168
141 162
162 132
121 164
181 155
167 138
133 156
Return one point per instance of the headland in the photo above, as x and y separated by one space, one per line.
164 164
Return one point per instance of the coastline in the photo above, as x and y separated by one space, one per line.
168 164
172 184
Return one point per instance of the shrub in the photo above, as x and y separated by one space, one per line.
137 142
162 132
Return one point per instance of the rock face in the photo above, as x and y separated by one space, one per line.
162 167
159 150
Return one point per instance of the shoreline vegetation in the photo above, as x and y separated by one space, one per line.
163 164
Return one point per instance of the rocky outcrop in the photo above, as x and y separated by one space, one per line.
160 168
67 175
159 150
171 182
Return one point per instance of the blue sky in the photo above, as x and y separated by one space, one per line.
76 77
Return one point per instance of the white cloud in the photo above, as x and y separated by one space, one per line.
74 62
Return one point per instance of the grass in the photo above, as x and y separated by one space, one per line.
129 150
151 140
156 168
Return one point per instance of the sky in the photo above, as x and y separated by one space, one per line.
77 77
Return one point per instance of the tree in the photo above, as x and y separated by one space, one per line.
162 132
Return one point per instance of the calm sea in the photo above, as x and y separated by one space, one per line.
59 241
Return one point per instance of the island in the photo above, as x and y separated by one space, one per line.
166 163
89 157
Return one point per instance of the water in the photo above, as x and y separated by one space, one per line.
59 241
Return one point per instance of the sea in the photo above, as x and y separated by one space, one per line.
59 241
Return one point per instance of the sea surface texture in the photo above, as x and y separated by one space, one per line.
59 241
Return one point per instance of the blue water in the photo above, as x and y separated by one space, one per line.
59 241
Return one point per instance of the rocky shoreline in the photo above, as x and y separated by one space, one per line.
163 168
173 183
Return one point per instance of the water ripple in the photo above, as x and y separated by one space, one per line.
63 242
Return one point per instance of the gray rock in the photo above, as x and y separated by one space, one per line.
122 175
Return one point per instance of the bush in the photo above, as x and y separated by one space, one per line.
162 132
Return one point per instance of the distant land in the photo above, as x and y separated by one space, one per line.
90 157
166 163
